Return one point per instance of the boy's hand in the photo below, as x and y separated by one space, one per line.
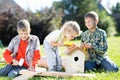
85 45
31 68
15 62
88 45
70 49
82 45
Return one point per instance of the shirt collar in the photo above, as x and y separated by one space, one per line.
30 38
94 31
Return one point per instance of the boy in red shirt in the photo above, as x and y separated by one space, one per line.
23 52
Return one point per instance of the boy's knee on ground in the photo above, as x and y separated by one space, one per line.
12 73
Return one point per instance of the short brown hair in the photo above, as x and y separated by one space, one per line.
23 24
92 14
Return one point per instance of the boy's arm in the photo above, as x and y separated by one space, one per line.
70 49
7 56
101 47
8 53
36 57
56 44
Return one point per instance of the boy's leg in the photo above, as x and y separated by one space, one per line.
59 63
51 59
15 71
5 70
90 65
50 56
108 65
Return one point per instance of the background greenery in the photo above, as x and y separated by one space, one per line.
113 52
48 19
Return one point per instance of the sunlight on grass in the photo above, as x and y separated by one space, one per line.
114 49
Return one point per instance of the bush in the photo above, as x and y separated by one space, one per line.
8 20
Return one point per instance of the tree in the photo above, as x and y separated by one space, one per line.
10 13
76 10
116 15
44 21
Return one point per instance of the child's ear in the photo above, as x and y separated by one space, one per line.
17 31
30 31
96 21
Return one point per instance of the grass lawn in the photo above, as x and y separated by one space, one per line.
113 52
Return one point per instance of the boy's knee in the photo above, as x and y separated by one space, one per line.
90 66
12 74
5 70
114 69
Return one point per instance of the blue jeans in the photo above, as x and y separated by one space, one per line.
10 70
106 64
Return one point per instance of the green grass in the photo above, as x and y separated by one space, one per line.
113 52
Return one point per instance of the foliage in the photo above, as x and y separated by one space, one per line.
116 15
42 23
48 19
8 20
57 5
76 9
1 45
116 9
106 22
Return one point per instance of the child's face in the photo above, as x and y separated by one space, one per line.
69 34
24 34
90 23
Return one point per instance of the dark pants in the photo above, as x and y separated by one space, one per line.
106 64
10 70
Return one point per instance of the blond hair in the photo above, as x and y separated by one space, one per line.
93 15
23 24
73 25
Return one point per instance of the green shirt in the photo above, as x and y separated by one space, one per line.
99 43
